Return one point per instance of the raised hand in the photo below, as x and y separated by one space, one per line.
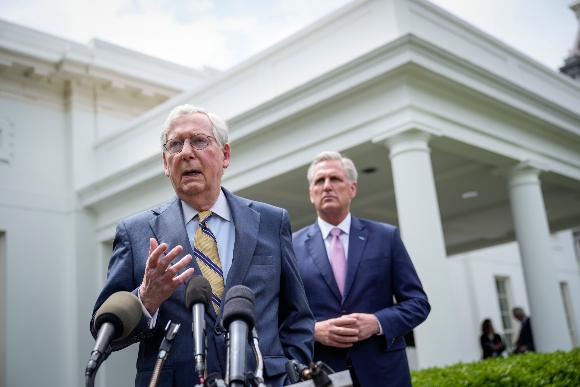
160 278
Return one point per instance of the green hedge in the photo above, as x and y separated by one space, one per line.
532 369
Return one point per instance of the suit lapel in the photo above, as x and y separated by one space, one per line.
169 227
314 244
247 223
356 244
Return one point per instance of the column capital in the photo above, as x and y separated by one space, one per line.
409 140
525 172
403 131
529 168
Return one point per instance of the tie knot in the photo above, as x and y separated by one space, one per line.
204 216
335 232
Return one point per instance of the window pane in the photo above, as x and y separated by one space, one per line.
500 287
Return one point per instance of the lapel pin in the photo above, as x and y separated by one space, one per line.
361 238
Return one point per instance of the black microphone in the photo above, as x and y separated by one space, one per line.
114 320
197 301
238 320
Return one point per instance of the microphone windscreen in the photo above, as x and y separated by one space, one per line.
198 290
239 305
123 310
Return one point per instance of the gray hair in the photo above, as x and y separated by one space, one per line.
220 128
349 168
518 312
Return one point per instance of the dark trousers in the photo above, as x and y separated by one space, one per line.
350 368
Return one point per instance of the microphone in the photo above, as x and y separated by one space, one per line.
238 320
114 320
197 301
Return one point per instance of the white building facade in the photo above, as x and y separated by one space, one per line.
429 108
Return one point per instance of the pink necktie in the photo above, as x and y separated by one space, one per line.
338 259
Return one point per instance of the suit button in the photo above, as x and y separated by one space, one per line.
218 331
344 312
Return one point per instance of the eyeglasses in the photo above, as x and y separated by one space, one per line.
197 141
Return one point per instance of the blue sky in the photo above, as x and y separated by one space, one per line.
220 34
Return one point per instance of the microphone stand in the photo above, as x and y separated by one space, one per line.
164 348
256 378
316 375
94 363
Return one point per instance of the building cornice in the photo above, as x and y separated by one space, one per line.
406 58
35 57
410 50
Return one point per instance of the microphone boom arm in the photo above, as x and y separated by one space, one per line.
257 378
164 349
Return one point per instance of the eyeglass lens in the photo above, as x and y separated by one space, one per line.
197 141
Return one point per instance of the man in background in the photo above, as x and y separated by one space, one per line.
353 271
525 340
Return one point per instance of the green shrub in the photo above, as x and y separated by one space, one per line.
530 370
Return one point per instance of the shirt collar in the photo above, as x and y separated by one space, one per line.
326 227
221 208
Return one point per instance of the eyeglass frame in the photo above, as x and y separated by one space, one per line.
190 144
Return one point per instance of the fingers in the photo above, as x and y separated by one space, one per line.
367 324
183 276
330 334
152 245
161 278
173 270
165 261
343 331
155 252
344 321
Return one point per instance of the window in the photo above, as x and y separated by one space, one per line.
576 236
6 140
505 307
567 309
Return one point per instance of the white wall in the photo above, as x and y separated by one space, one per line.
33 216
473 275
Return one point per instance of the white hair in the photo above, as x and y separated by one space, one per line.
220 128
349 168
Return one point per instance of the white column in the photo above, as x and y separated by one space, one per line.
420 222
549 327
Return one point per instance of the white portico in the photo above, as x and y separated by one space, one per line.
403 91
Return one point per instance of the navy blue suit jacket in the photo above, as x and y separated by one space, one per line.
525 337
379 270
263 260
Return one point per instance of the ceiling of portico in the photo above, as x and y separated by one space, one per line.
468 223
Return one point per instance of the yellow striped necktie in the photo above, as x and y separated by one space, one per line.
208 260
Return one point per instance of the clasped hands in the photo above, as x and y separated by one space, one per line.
160 279
342 332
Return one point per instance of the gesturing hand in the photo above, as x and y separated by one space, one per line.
160 279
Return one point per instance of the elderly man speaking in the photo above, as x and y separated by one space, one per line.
153 250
